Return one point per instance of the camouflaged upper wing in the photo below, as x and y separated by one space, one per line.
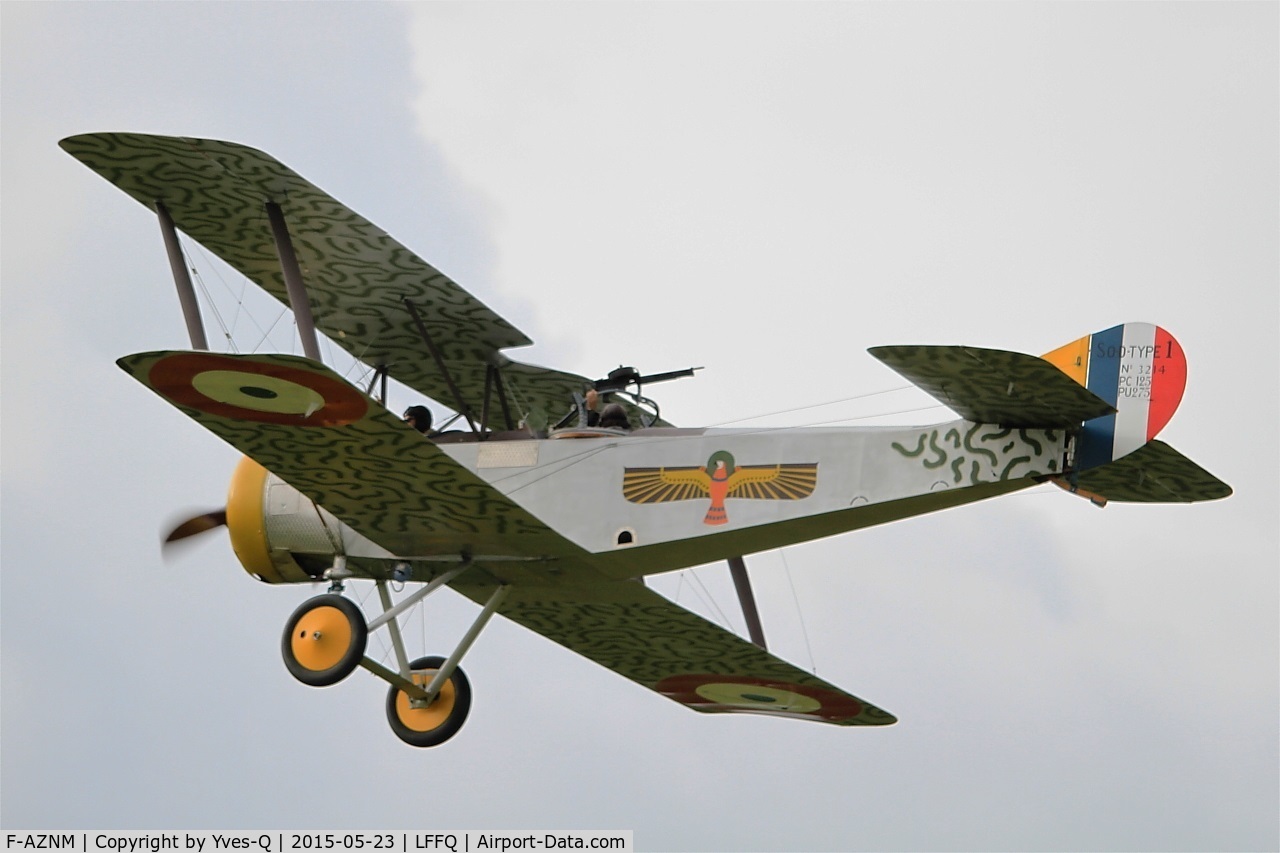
357 275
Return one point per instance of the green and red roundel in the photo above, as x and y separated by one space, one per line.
249 390
713 693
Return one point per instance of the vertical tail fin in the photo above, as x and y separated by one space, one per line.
1138 368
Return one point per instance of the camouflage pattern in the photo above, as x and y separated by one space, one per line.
1154 473
357 276
1008 389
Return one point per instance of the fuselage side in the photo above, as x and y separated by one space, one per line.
663 499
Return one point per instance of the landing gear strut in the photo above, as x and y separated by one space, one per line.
325 638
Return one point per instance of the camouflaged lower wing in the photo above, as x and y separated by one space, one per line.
989 386
639 634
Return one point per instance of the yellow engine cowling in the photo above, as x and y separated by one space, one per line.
273 527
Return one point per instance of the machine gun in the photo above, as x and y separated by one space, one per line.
619 382
619 379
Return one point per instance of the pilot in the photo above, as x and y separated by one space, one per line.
592 400
612 417
418 417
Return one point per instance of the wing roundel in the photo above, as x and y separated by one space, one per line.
659 485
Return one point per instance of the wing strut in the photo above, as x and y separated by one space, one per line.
742 583
492 379
463 408
182 279
379 375
298 300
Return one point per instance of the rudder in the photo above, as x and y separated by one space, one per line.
1140 369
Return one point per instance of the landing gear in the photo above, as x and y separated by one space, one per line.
324 640
418 723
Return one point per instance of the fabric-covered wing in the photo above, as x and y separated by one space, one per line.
328 440
642 636
357 275
1154 473
990 386
658 485
774 482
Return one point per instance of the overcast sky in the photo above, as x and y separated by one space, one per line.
763 189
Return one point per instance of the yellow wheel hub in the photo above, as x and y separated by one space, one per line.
432 716
321 638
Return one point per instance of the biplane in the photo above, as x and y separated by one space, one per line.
532 509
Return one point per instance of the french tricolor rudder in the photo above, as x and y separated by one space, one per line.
1139 369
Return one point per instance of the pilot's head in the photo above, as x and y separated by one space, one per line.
418 417
614 416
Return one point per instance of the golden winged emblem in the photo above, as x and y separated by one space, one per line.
719 480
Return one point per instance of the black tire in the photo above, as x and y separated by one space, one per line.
435 724
324 640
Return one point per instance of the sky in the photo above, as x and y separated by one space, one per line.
765 190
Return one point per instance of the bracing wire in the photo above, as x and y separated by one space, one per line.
679 587
875 415
804 630
213 306
362 598
709 599
228 329
816 406
270 329
192 249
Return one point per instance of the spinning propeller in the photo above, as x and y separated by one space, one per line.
197 524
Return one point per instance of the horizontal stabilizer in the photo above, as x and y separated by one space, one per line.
990 386
1154 473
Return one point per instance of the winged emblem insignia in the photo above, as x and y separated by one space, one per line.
720 479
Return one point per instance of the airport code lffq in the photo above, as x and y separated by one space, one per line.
294 841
